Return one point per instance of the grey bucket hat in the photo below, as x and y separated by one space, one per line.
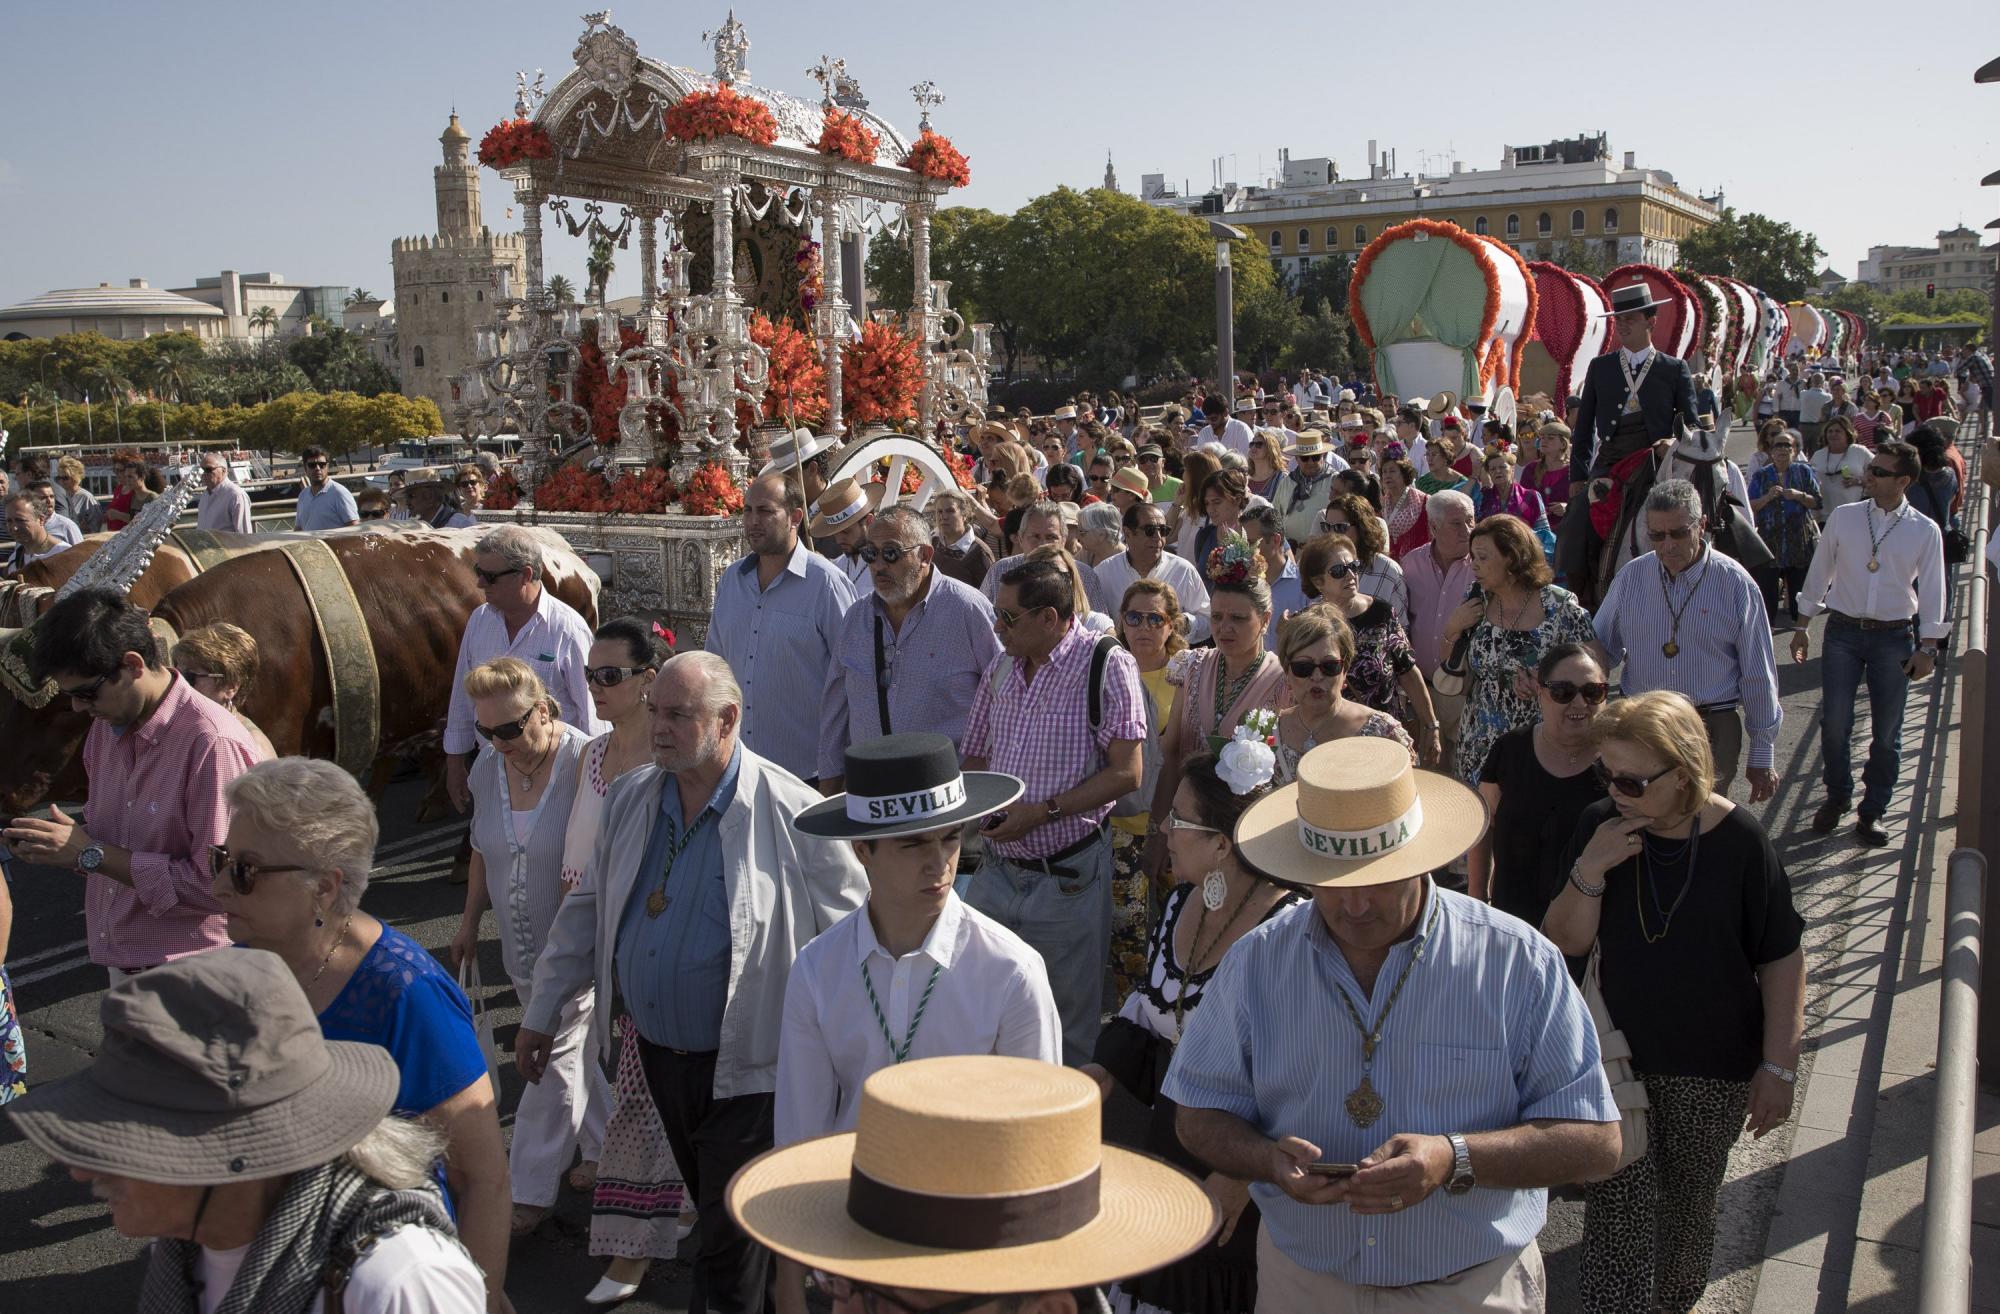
213 1070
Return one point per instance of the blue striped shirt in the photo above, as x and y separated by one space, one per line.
779 642
1724 640
1488 1033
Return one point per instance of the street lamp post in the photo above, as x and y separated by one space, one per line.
1225 307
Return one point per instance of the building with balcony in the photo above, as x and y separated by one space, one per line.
1957 261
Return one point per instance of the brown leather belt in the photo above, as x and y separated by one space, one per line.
1864 623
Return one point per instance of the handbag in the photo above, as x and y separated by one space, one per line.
1449 677
1627 1091
482 1018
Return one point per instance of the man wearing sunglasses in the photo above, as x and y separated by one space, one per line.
159 758
777 617
1152 463
520 618
224 504
1146 557
1879 565
1689 619
323 503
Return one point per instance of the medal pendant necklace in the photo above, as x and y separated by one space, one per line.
1874 543
1672 647
1364 1103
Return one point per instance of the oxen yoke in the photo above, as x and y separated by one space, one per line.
350 654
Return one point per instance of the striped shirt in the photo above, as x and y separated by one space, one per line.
156 788
1723 641
1487 1033
778 642
934 663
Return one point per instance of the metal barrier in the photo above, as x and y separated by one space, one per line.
1944 1282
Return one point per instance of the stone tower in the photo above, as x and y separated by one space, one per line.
446 283
1110 175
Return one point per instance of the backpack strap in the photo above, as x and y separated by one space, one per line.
1100 655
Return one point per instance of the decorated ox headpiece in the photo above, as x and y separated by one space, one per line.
116 566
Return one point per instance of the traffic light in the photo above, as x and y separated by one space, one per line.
1930 291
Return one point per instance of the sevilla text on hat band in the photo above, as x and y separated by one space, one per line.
1348 845
835 519
889 808
972 1222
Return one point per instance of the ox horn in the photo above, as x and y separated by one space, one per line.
119 563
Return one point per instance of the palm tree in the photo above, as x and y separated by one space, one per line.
561 291
264 317
359 295
597 266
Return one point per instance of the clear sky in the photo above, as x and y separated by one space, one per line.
165 141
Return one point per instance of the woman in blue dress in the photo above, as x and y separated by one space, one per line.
290 877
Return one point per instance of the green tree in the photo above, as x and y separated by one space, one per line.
1326 282
597 265
1764 252
560 290
1579 257
338 361
266 319
359 295
1324 340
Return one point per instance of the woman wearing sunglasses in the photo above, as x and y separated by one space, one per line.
1153 629
1201 918
1316 651
1382 671
219 662
523 785
1536 782
1691 913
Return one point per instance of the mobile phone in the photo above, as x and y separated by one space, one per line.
1333 1169
993 821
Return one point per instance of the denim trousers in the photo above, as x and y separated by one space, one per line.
1064 915
1852 654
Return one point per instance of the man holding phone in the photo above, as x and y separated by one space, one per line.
1878 574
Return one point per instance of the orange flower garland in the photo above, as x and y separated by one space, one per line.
848 137
880 376
724 112
578 488
796 390
935 157
711 492
961 469
510 141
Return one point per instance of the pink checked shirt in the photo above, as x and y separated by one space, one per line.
1040 731
157 789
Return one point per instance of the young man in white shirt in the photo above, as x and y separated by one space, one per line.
915 972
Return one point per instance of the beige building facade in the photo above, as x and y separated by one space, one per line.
1957 261
122 313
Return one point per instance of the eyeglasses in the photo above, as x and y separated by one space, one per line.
888 552
87 693
1678 535
468 483
1149 460
1100 479
1335 527
1152 531
242 875
1174 822
488 578
1880 473
1009 619
875 1300
1304 667
1152 620
1314 457
375 515
610 677
511 731
1342 569
315 465
1629 786
1565 691
192 676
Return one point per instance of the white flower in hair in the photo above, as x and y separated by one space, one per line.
1246 762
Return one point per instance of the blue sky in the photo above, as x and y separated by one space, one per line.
165 141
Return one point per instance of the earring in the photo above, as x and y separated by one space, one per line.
1214 888
318 922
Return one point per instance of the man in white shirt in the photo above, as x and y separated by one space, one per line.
1880 564
61 528
1146 557
1813 401
224 504
1222 428
30 532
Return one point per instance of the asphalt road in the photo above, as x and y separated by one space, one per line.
59 1249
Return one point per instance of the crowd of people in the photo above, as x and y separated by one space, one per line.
1308 766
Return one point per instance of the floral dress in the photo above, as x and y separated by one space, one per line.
1787 528
1494 657
1382 653
13 1050
1377 726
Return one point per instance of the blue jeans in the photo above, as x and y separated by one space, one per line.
1851 655
1066 919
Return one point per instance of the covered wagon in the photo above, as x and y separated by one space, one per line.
1572 325
1677 328
1442 309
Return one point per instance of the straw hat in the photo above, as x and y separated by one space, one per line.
840 504
1063 413
1311 443
1444 403
1012 1192
1132 481
1359 814
905 784
794 448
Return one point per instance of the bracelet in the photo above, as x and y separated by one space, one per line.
1589 891
1786 1075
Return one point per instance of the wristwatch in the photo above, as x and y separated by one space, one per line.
91 858
1461 1166
1786 1075
1052 810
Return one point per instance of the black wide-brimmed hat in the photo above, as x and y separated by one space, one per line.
903 784
1633 296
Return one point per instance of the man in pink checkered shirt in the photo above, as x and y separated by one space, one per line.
1046 875
158 756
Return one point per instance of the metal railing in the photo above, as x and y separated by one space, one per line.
1944 1282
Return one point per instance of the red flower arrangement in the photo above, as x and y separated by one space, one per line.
848 137
510 141
723 112
812 275
577 488
881 376
503 494
960 467
711 492
796 390
935 157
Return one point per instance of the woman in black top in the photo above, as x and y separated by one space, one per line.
1537 781
1701 966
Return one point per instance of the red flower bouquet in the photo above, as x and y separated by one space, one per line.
848 137
572 488
881 376
510 141
723 112
503 494
711 492
960 467
935 157
796 390
576 488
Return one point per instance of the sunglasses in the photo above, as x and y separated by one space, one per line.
1174 822
1152 531
1342 569
192 676
1679 535
87 693
610 677
488 578
242 875
1149 460
1100 479
374 515
1880 473
1304 668
468 483
315 465
1335 527
1009 619
1152 620
1565 691
1629 786
511 731
889 552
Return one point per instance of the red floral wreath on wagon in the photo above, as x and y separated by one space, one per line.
935 157
510 141
795 392
711 492
848 137
881 376
578 488
722 112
